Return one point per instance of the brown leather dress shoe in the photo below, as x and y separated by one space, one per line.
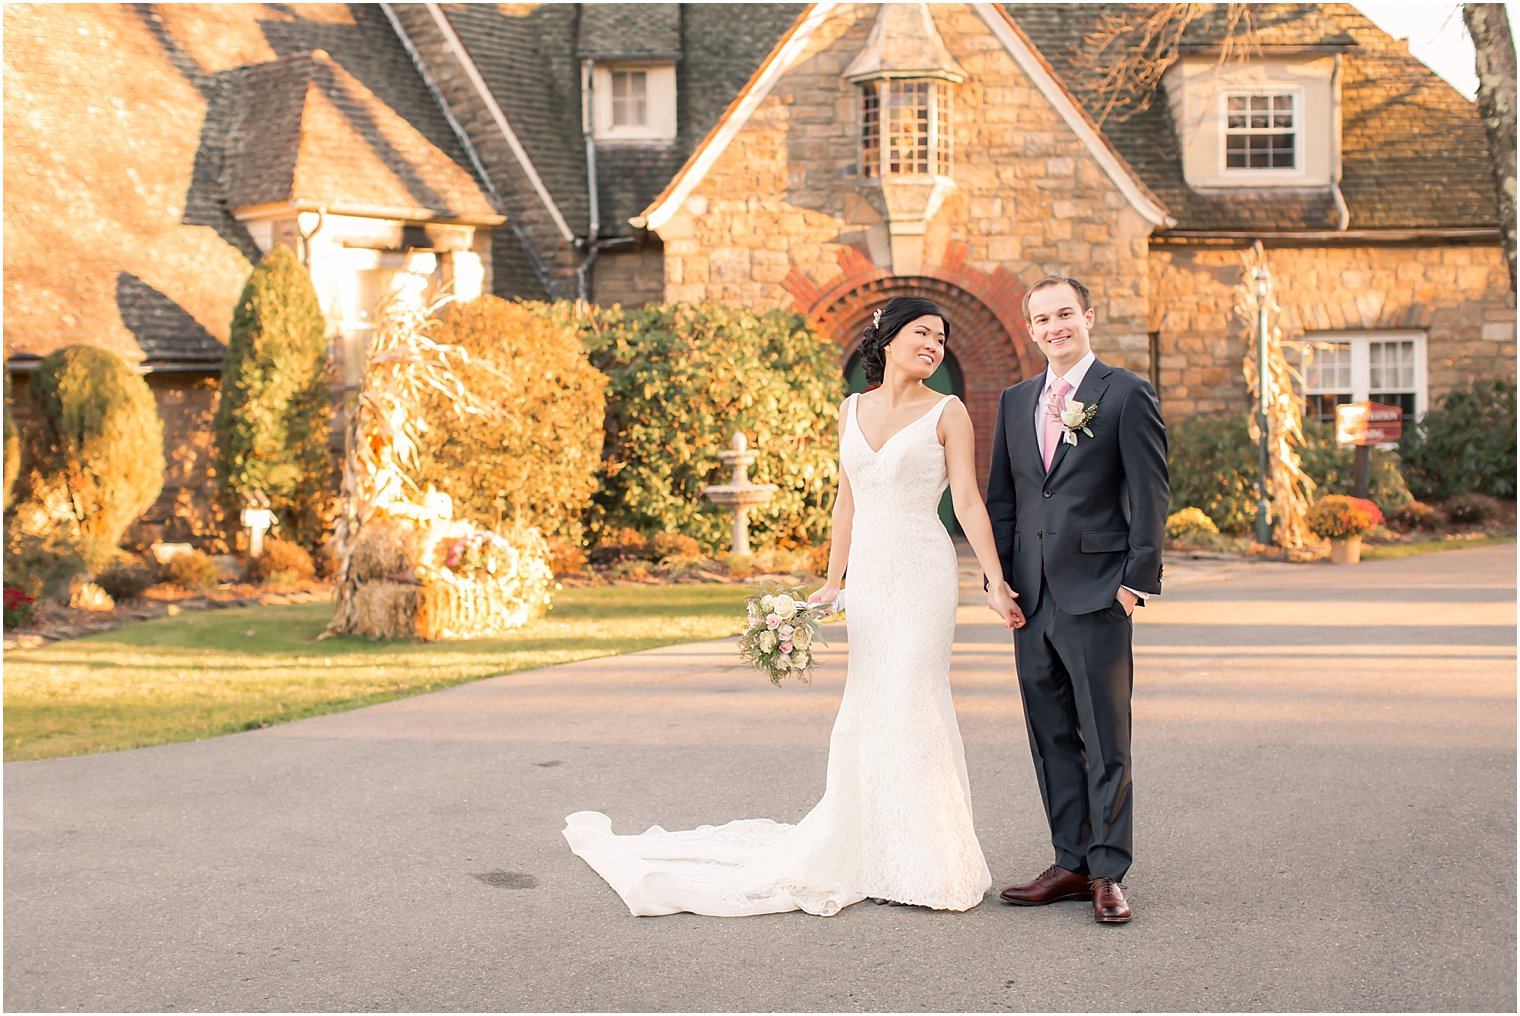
1109 904
1053 884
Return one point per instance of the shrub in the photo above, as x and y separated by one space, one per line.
566 558
535 461
274 414
127 581
1419 515
738 566
682 379
1213 465
193 571
1466 444
626 544
1338 516
12 447
1182 524
1332 466
96 452
818 560
20 608
41 566
283 563
665 546
1472 509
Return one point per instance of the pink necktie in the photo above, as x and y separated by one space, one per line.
1053 428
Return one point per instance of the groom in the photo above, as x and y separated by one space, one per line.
1077 496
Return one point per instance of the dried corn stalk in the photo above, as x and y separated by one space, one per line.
1289 488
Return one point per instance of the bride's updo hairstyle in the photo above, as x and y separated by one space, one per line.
884 326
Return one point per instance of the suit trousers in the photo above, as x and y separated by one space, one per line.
1076 676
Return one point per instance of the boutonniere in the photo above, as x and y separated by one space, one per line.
1078 416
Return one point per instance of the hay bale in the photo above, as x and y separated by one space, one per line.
386 609
384 550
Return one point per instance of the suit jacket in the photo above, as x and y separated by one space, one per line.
1096 520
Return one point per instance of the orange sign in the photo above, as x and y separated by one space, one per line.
1368 423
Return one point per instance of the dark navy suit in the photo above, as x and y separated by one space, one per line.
1068 539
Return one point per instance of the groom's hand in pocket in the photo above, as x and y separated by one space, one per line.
1127 600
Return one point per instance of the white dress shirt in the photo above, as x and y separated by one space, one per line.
1073 377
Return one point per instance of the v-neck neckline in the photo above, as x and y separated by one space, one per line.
855 416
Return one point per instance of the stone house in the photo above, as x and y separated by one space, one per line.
818 157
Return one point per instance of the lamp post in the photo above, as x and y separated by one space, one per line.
1263 280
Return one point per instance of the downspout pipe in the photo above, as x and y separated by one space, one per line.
539 271
593 198
1344 212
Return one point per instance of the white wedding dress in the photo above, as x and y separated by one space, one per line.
895 819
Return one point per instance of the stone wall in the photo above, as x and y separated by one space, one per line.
1456 294
631 277
1028 196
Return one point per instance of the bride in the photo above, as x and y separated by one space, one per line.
894 823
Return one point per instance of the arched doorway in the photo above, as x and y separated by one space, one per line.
988 350
947 380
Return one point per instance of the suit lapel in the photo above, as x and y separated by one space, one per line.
1091 390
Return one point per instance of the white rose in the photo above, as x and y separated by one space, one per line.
768 641
1072 414
786 607
767 604
799 660
801 637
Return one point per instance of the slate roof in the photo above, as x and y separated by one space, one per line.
125 125
1414 153
310 133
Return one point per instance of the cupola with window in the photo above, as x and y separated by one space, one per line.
905 80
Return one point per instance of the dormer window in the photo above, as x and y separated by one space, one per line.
1261 130
905 127
634 102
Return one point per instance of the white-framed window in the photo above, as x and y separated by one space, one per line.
1387 367
1263 131
633 102
905 127
369 282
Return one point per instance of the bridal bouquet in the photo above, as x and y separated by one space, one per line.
780 630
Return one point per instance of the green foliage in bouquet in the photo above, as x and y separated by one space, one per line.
535 461
1466 444
780 632
683 378
274 415
96 453
1337 516
1213 465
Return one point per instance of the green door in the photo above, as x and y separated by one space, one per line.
946 380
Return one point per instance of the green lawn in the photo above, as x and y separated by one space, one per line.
1394 550
214 672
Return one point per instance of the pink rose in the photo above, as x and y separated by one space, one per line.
773 621
786 647
785 631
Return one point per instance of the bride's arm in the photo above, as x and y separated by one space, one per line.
839 538
960 463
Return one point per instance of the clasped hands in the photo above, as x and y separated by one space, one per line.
1000 600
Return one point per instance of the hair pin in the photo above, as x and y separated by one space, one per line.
876 318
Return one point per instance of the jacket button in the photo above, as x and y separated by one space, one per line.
1040 534
1047 493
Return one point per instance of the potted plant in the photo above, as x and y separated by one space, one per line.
1342 520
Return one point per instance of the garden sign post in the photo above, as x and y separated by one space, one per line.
1365 424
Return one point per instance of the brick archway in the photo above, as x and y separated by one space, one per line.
988 335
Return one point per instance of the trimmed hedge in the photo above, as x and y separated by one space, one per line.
536 461
1214 465
683 378
274 414
96 453
1466 444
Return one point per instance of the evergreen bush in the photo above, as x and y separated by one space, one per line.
536 460
1466 444
1472 509
12 447
683 378
274 414
127 580
96 453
